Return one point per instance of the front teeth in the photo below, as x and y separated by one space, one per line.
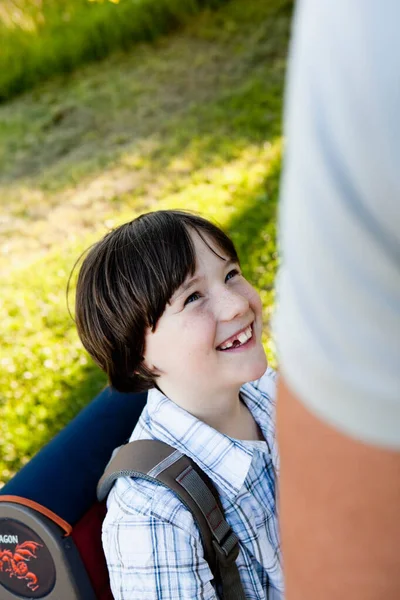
243 337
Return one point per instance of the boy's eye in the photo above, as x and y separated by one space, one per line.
231 274
192 298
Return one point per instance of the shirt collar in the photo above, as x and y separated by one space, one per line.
225 460
260 399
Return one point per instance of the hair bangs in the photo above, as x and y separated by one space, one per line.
166 264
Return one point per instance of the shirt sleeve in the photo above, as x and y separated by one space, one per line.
150 557
338 318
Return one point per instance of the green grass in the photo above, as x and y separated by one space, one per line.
192 122
41 39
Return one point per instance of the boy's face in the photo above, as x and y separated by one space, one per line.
208 340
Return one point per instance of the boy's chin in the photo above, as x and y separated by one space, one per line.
256 371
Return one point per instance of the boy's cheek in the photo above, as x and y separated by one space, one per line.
254 299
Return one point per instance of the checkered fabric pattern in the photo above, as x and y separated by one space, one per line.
151 542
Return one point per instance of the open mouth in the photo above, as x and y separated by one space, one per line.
239 339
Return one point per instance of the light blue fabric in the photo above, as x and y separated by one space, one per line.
338 318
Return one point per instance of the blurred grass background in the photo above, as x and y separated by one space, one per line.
192 120
43 37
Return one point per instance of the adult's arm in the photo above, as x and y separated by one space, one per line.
339 510
338 322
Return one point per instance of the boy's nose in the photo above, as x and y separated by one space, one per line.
231 305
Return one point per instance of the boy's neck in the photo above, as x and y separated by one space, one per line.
226 413
238 424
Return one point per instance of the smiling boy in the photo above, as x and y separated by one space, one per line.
162 306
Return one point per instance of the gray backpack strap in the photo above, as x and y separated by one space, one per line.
156 461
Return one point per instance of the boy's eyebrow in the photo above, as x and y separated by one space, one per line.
185 286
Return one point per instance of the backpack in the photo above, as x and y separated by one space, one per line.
156 461
50 519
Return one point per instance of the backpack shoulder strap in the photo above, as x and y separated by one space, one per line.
156 461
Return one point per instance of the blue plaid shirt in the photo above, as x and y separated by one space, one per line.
151 542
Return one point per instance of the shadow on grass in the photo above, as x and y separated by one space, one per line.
254 231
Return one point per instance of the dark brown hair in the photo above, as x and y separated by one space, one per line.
125 283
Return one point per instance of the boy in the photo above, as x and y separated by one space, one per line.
162 306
